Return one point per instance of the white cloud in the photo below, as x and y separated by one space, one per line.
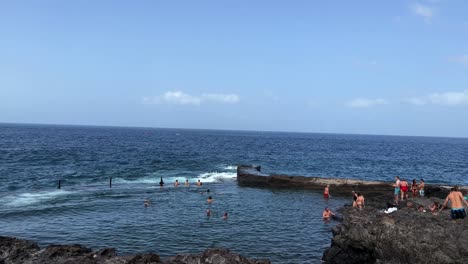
222 98
447 98
179 97
424 11
366 102
463 59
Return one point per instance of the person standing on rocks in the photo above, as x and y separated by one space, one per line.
355 196
396 185
414 188
360 201
326 192
421 188
456 203
404 189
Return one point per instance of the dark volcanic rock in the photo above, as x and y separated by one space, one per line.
213 256
14 251
404 236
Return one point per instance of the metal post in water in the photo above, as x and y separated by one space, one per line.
110 182
59 184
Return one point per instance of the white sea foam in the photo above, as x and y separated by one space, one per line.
217 176
154 179
24 199
150 180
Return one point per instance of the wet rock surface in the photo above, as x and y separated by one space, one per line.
404 236
13 250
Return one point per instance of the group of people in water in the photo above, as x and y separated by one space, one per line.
209 200
176 183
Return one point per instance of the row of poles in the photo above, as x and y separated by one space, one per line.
60 183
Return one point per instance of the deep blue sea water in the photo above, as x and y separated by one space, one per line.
283 225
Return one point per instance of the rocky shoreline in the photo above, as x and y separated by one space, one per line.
404 236
372 236
18 251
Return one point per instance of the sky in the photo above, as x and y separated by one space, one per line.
362 67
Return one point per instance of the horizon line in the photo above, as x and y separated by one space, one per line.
235 130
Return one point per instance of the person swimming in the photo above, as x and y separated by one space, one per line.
208 212
199 183
207 191
146 203
326 192
225 216
327 214
209 200
161 183
187 183
176 183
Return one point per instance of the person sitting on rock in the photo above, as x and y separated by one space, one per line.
326 192
360 201
456 200
421 209
434 207
327 214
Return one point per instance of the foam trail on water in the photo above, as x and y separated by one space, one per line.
24 199
217 176
230 168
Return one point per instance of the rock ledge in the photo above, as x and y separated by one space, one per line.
13 250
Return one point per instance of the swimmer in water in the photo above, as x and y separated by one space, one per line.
327 214
209 200
146 202
161 183
187 183
326 192
199 183
176 183
207 191
225 216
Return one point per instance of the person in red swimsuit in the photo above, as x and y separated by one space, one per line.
326 192
404 189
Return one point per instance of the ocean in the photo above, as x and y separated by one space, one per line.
282 225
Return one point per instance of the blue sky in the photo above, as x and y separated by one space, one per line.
368 67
